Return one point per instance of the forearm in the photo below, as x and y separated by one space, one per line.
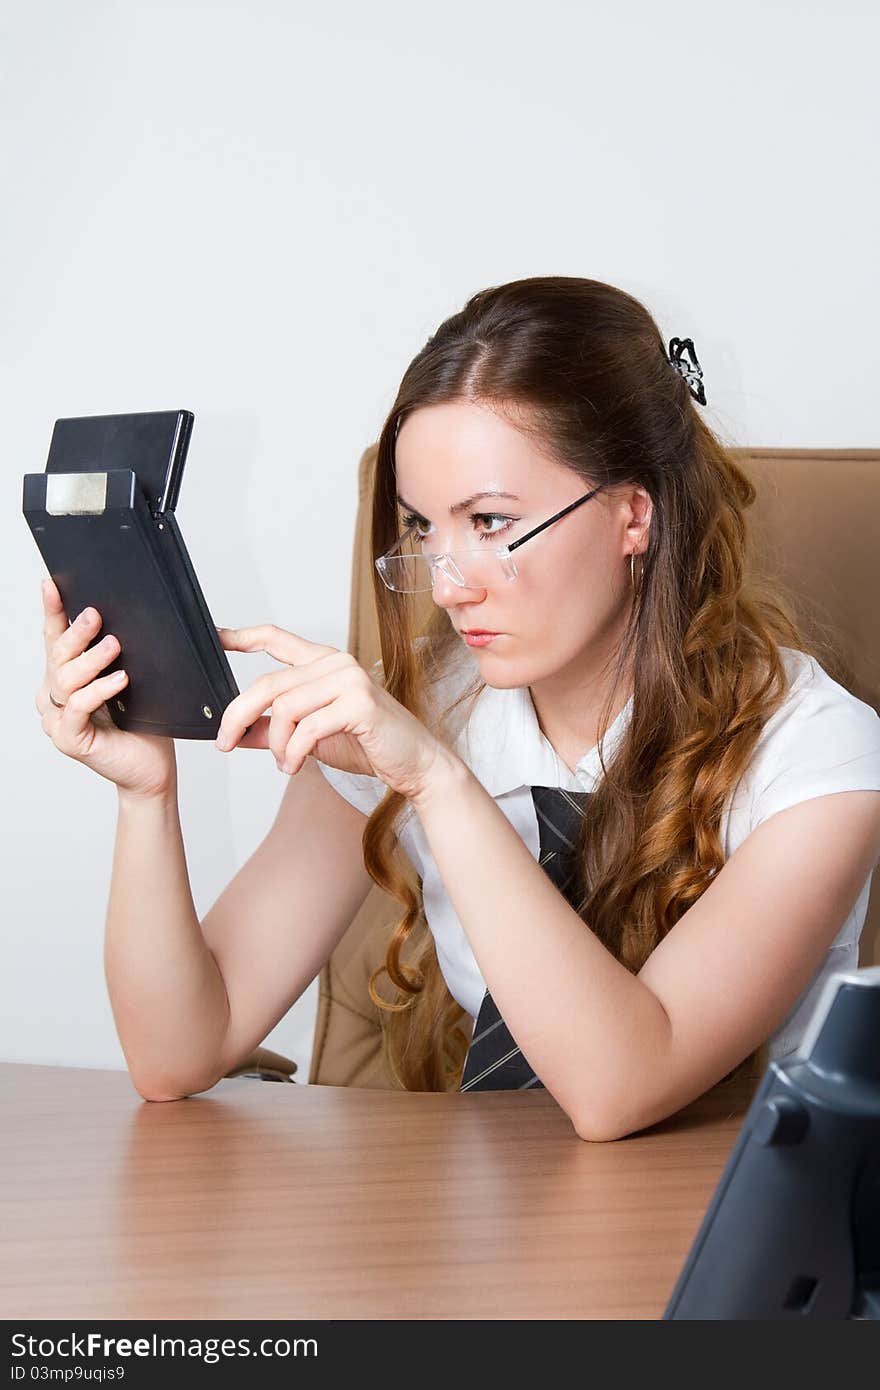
166 990
592 1031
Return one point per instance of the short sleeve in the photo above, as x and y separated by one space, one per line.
823 740
360 789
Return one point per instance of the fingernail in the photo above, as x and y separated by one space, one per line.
224 741
287 767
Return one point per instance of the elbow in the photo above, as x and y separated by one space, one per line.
594 1132
162 1089
147 1091
591 1118
601 1126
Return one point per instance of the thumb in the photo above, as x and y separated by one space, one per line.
256 735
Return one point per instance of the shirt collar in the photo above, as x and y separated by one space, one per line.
504 747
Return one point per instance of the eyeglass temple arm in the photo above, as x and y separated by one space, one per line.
522 540
570 508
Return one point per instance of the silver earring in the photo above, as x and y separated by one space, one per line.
632 571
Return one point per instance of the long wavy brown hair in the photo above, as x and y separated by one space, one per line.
583 366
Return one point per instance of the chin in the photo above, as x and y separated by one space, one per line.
499 672
504 675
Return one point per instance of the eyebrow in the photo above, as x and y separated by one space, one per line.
461 506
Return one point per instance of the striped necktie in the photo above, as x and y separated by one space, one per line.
494 1062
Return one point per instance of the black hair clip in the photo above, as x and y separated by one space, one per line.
691 371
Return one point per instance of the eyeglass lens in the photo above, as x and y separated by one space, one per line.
478 569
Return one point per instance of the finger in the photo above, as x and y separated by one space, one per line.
276 641
246 707
321 724
69 726
81 670
257 736
74 639
302 699
54 616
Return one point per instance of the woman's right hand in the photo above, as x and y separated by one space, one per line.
140 764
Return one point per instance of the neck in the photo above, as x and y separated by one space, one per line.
568 708
570 747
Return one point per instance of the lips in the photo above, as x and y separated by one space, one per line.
479 632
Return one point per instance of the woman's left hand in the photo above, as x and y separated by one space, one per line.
325 704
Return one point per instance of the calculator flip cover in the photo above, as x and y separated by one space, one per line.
102 515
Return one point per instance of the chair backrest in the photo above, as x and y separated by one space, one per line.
815 525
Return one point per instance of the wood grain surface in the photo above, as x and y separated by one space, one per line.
269 1200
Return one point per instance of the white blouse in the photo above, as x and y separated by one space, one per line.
821 739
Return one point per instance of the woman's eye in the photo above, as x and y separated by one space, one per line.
410 521
506 522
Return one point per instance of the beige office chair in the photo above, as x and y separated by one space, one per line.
815 524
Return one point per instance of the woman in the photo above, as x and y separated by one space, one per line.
720 842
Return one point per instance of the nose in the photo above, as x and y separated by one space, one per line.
447 594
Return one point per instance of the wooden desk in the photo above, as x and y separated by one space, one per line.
269 1200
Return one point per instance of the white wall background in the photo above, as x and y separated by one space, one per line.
259 213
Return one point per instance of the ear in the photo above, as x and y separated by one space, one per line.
638 511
